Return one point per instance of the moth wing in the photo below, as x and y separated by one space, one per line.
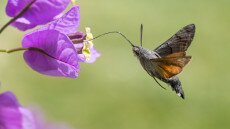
175 55
179 42
171 65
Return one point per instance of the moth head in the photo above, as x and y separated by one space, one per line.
137 50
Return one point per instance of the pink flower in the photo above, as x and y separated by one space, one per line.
14 116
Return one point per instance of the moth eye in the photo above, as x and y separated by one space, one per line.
136 51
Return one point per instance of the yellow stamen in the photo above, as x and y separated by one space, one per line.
73 2
86 50
89 36
87 43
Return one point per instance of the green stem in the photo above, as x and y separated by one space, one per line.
13 50
17 16
23 49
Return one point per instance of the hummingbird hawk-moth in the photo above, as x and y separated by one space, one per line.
167 60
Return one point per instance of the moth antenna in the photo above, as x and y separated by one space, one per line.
141 33
117 32
159 83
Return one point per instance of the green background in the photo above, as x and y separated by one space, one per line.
115 92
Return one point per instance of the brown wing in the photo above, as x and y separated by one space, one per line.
171 65
178 42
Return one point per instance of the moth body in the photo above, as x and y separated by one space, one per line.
145 56
168 59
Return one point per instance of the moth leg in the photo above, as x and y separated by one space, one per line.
152 75
159 83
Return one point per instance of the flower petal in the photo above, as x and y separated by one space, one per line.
40 12
14 116
60 57
10 116
28 120
68 23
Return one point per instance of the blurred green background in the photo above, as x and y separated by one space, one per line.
115 92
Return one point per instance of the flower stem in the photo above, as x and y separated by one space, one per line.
13 50
23 49
17 16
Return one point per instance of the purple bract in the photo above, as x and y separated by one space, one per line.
10 116
14 116
57 48
58 56
40 12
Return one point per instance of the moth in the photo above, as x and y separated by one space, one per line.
167 60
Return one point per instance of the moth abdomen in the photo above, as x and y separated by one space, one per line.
175 83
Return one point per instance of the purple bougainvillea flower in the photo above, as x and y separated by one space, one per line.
68 24
14 116
40 12
51 53
57 48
